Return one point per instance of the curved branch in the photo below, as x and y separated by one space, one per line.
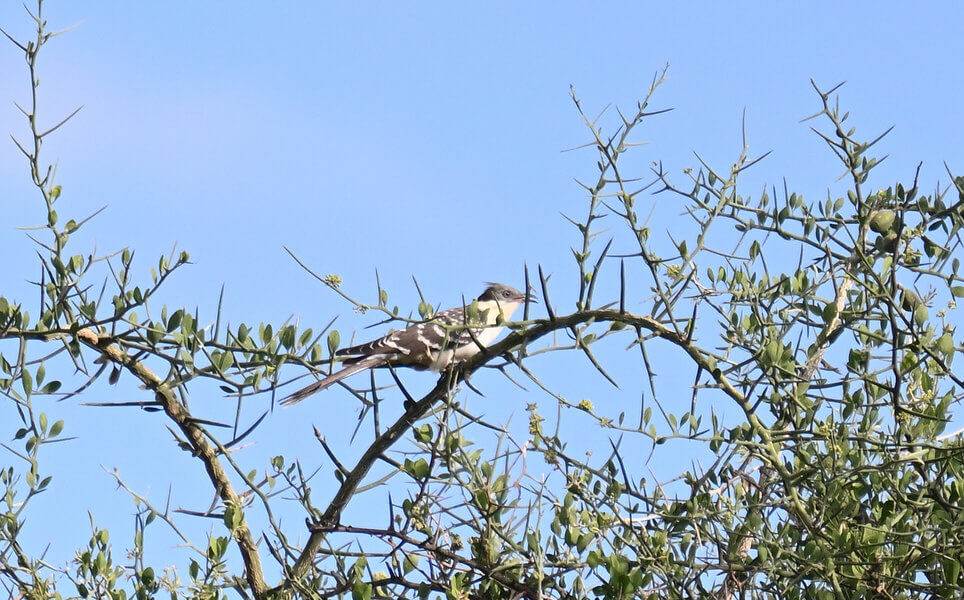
195 434
529 331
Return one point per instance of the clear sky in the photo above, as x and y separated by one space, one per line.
421 139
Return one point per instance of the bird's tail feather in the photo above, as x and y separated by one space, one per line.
369 362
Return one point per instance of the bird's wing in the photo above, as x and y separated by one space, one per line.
352 367
441 331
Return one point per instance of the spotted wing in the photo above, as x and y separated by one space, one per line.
418 343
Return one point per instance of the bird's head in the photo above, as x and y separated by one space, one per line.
507 298
504 294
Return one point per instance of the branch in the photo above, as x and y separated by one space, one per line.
195 434
533 330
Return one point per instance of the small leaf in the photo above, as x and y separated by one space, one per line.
287 336
26 380
418 469
920 315
410 563
51 387
424 433
361 591
946 344
175 321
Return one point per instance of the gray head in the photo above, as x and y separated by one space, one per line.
504 294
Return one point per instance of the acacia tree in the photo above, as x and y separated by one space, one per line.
835 479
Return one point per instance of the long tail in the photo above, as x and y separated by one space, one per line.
369 362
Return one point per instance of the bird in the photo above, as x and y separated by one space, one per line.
448 337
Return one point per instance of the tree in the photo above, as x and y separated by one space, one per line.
834 479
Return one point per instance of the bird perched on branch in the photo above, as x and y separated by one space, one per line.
450 336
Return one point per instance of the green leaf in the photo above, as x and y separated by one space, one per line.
51 387
100 563
175 321
908 362
287 336
418 469
334 339
56 429
584 540
233 517
945 344
957 291
361 591
952 569
26 380
920 315
424 433
216 548
410 563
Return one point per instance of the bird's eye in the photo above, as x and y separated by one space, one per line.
505 293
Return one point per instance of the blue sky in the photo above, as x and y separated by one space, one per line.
424 140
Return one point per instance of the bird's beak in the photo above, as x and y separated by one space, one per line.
532 298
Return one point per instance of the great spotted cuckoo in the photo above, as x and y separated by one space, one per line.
449 336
